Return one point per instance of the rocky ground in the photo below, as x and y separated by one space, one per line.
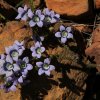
77 74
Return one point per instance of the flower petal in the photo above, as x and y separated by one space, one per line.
25 72
8 73
25 17
30 13
1 62
26 59
32 48
9 59
16 67
38 55
42 49
29 67
37 44
25 7
13 88
23 48
31 23
46 11
15 82
20 10
18 16
52 13
57 15
34 54
14 47
63 40
15 58
53 20
20 80
40 71
58 34
62 28
70 35
7 50
51 67
68 29
20 51
38 12
39 64
47 61
9 79
40 23
2 72
47 73
2 56
41 17
17 42
42 38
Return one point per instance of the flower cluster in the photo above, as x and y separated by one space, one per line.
44 67
37 17
13 65
64 33
14 68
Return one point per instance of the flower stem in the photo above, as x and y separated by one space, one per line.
32 4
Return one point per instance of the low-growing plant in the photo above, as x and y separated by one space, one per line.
14 65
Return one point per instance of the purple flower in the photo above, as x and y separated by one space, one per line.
45 67
64 33
41 38
22 13
24 65
14 51
19 76
7 67
20 44
36 18
2 56
50 16
10 85
37 50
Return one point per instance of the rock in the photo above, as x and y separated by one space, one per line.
10 96
67 82
71 82
13 30
83 28
68 7
94 49
97 3
76 10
